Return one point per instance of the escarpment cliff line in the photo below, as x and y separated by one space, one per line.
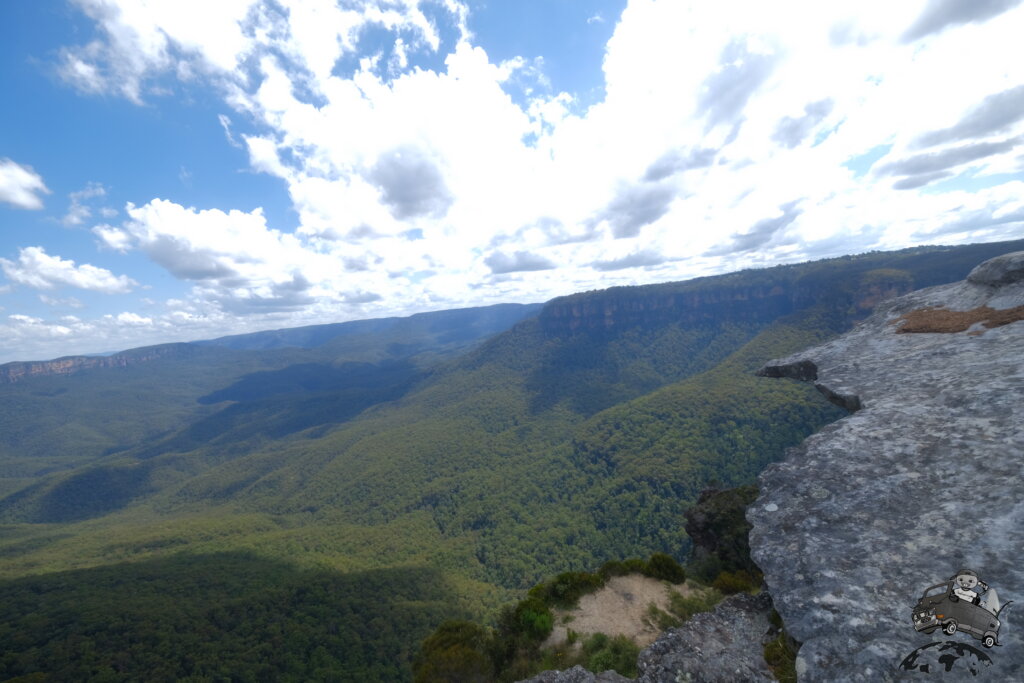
850 286
717 300
925 478
21 370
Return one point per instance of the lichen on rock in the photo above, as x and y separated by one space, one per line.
925 478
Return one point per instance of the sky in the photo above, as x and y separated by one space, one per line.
173 170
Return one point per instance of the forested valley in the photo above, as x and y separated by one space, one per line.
313 504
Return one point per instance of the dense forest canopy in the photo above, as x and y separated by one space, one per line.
310 507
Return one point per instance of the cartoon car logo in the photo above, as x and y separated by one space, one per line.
939 607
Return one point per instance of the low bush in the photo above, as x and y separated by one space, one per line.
780 653
456 651
566 589
658 566
735 582
685 607
665 567
660 619
618 654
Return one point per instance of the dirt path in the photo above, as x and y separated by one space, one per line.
619 608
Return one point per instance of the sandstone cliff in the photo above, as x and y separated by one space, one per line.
761 296
69 365
925 478
850 286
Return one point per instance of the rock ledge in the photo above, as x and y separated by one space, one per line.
926 477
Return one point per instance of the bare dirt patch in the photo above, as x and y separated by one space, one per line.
942 320
619 608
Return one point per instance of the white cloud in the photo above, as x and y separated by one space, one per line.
133 319
720 143
232 257
70 302
78 211
145 39
20 186
113 238
142 42
25 319
36 268
225 123
521 261
35 338
939 15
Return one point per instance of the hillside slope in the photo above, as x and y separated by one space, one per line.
576 436
67 412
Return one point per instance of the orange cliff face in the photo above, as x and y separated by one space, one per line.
19 371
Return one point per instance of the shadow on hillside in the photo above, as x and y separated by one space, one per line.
281 402
266 405
315 378
224 616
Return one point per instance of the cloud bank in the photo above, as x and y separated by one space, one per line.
425 173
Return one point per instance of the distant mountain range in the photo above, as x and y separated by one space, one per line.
478 449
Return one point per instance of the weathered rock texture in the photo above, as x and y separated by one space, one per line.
721 646
926 477
577 674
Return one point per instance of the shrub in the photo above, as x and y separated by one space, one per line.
660 619
533 619
781 658
604 653
659 566
613 568
456 651
635 565
594 643
735 582
685 607
566 589
662 566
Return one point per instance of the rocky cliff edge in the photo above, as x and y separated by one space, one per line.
924 478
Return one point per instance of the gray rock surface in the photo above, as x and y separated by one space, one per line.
724 645
577 674
925 478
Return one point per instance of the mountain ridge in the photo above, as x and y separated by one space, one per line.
579 311
500 461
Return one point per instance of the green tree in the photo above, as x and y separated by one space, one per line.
457 652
